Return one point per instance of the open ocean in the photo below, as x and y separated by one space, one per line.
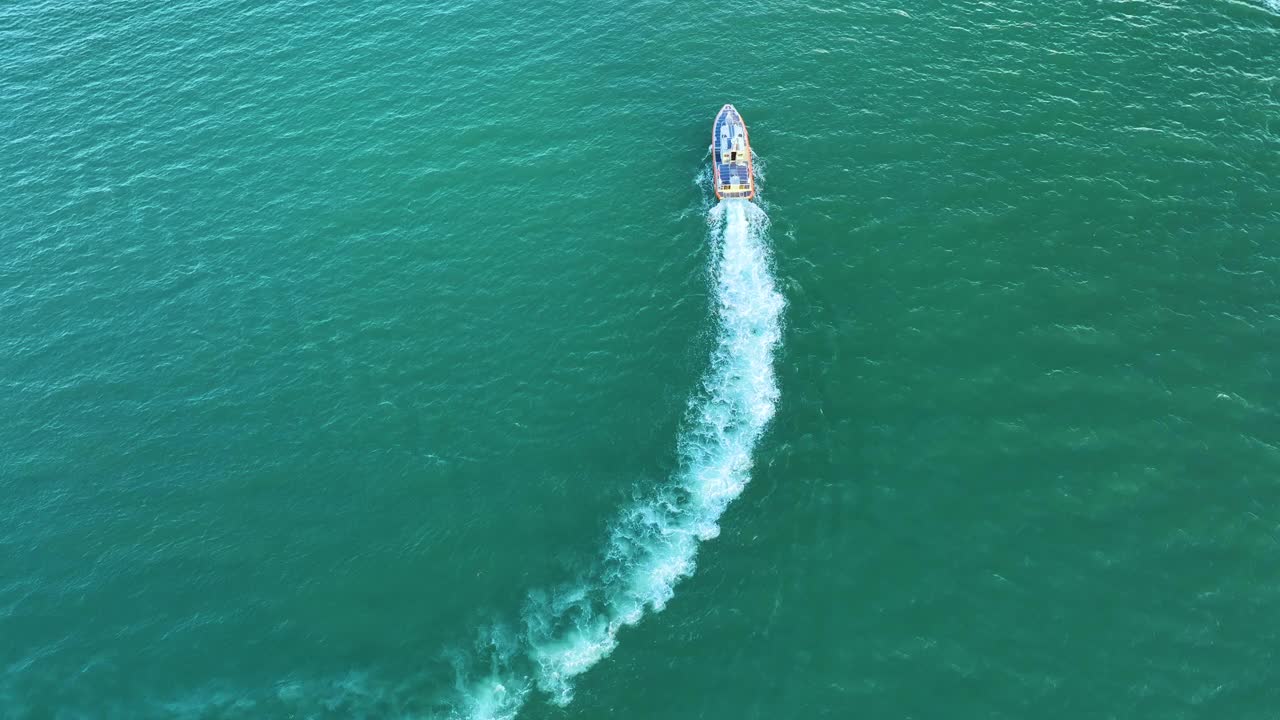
394 360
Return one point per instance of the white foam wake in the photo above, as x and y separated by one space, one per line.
654 544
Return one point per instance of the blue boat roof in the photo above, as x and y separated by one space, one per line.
733 172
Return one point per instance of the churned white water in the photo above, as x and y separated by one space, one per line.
654 543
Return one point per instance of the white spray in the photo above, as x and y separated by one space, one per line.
654 544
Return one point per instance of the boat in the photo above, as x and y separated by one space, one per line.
731 156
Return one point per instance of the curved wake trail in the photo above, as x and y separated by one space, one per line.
654 544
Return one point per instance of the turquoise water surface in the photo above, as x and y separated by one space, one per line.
396 361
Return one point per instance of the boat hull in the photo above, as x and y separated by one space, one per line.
731 156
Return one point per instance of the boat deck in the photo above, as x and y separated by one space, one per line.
732 174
